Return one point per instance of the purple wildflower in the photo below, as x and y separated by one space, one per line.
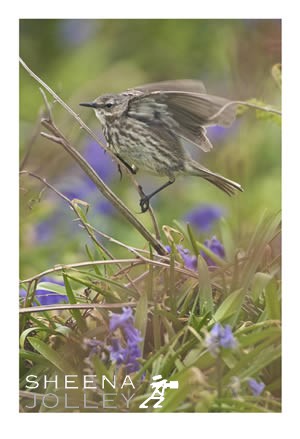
204 216
45 297
256 387
95 346
100 161
190 261
216 247
220 337
130 352
117 352
79 191
44 230
74 32
104 207
121 320
125 355
218 133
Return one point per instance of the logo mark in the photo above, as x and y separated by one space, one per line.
159 385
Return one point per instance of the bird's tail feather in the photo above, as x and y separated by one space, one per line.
226 185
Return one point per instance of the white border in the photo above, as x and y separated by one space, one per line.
141 425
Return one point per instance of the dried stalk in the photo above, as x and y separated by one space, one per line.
59 138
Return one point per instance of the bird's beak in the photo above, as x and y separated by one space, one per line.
89 104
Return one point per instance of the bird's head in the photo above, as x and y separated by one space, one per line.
106 106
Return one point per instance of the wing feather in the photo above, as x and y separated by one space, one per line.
187 85
182 106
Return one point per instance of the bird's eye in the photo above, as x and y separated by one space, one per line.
109 105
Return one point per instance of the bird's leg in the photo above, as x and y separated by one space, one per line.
144 201
133 170
120 171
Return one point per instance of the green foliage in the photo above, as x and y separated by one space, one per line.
105 264
174 313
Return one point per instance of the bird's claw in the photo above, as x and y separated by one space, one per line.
133 169
144 204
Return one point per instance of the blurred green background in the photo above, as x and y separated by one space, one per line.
81 59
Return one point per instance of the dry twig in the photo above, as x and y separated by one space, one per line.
57 137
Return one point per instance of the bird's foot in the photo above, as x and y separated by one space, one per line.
144 203
120 171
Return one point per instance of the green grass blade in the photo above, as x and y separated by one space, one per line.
50 354
72 299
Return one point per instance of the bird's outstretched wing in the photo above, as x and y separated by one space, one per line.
186 103
187 85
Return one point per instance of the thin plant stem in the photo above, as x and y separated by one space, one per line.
219 369
84 225
63 306
246 104
100 184
57 137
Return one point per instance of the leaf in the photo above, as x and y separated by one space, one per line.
265 231
48 286
141 317
276 73
252 363
260 281
181 228
172 235
227 239
218 261
32 356
76 202
272 298
193 240
90 256
229 309
108 295
189 381
101 370
49 354
259 335
172 281
205 290
26 332
72 299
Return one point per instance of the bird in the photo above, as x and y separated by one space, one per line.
147 128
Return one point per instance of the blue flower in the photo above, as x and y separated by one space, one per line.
128 353
121 320
189 260
204 216
218 133
256 387
100 161
45 230
45 297
95 346
220 337
117 352
105 207
132 335
216 247
74 32
79 191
